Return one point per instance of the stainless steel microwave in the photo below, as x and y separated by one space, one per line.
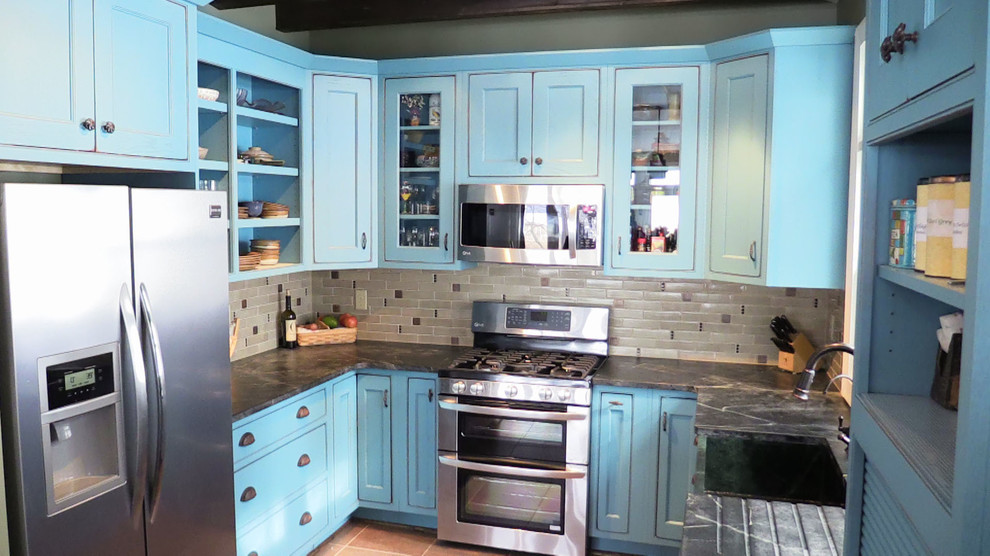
531 224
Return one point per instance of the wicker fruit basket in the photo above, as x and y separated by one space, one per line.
326 335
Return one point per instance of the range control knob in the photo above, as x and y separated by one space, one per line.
564 395
457 387
477 388
512 390
546 393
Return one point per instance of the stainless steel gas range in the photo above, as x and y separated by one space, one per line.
514 428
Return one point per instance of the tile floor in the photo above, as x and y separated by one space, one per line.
371 538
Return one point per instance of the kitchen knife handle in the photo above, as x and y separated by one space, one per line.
248 494
303 460
302 413
247 439
306 518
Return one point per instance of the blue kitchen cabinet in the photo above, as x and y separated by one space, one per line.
421 443
944 49
343 465
343 179
642 459
780 161
654 189
677 462
142 92
105 75
533 124
374 450
418 185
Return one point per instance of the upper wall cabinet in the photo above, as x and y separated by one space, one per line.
654 192
104 75
534 124
914 46
343 194
780 167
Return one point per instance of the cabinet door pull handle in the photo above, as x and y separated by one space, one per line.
524 161
752 251
618 241
429 395
248 494
663 422
895 43
538 161
613 402
445 248
364 240
303 461
89 124
306 518
109 128
302 413
252 553
385 398
247 439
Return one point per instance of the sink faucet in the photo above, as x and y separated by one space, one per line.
803 386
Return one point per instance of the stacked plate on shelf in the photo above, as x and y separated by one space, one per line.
249 261
268 249
242 212
275 210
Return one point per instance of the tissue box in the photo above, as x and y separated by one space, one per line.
945 386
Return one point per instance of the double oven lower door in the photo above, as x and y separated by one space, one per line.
513 475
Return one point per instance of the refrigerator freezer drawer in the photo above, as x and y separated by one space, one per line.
266 483
291 527
252 438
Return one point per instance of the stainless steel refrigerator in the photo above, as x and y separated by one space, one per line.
115 393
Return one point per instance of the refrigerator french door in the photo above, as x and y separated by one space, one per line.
115 393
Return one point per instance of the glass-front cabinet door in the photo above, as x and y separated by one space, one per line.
654 196
419 170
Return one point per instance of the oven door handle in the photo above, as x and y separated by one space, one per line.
454 461
512 413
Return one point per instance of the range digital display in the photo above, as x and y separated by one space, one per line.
79 379
538 316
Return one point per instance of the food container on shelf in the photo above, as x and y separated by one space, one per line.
640 158
207 94
902 222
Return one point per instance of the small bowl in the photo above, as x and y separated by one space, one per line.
207 94
202 152
254 208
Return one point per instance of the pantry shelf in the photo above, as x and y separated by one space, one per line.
936 288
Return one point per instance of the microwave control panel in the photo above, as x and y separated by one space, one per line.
587 227
537 319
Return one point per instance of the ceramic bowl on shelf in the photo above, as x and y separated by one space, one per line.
208 94
254 208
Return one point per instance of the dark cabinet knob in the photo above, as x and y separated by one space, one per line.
538 161
302 413
895 43
303 460
89 124
249 494
109 128
252 553
306 518
364 240
247 439
524 161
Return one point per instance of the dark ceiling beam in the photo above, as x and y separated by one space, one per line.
233 4
309 15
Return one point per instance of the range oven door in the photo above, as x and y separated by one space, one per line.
529 508
547 433
531 224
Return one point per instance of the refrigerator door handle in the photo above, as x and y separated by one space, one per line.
138 463
156 357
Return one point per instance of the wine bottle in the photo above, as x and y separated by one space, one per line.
287 325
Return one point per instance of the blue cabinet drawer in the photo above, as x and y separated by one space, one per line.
266 482
251 438
290 527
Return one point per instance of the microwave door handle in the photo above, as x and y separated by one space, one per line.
159 375
454 461
131 346
511 413
572 219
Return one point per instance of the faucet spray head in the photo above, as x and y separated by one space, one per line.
803 386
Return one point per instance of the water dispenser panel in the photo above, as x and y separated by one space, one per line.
79 380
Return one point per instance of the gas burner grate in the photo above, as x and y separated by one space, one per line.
533 363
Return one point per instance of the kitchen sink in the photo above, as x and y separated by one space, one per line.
795 470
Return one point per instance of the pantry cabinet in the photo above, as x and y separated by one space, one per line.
343 178
780 164
374 438
643 458
107 76
533 124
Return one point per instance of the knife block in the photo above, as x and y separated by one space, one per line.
795 362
